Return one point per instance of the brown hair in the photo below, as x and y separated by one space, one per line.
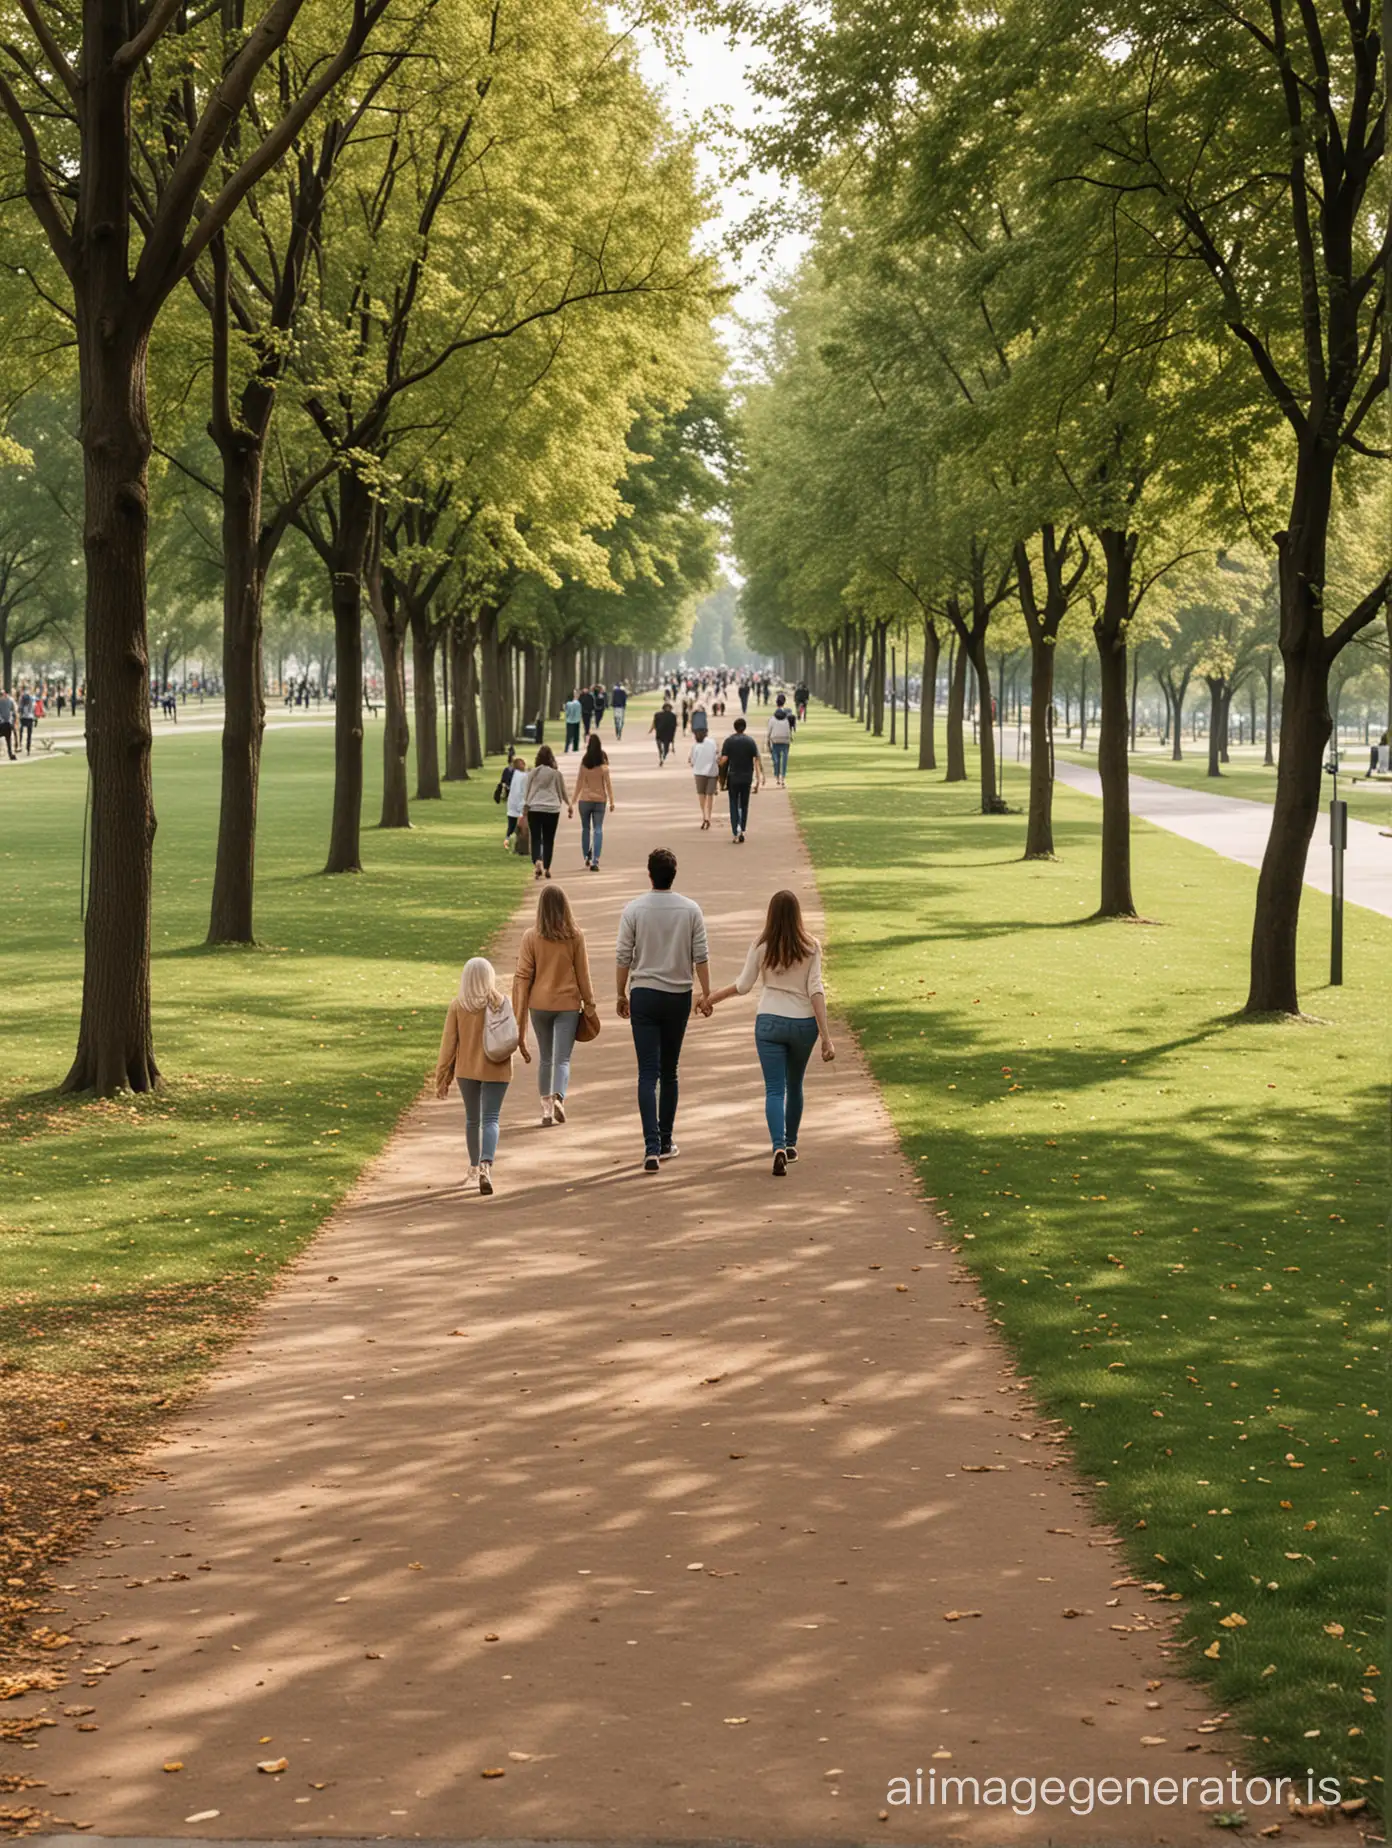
785 937
553 916
545 755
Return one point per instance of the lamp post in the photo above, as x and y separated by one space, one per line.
1338 838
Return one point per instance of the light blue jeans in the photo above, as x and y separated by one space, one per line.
483 1103
784 1046
780 759
555 1030
591 827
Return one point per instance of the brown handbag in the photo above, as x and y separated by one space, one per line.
588 1028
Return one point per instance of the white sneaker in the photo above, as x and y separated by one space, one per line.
471 1181
486 1177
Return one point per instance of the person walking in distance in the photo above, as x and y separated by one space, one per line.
546 797
574 716
786 961
599 704
26 722
744 695
618 699
781 726
661 953
664 729
516 798
587 708
700 723
552 989
480 1016
705 767
744 773
9 712
800 699
594 791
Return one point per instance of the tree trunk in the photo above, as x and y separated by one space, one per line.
473 744
986 731
495 700
1268 756
956 704
1215 723
927 705
425 638
1109 631
389 620
346 572
1039 831
457 750
243 687
1082 707
115 1040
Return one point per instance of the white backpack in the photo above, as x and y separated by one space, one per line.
500 1035
780 730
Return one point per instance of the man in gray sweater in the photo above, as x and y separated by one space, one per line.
661 954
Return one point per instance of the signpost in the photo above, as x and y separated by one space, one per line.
1338 839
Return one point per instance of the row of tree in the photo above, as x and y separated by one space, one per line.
402 296
1093 329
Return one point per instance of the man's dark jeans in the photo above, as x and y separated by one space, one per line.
659 1026
739 806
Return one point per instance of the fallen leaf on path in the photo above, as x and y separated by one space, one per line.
957 1616
979 1469
1213 1651
175 1764
1233 1621
520 1758
203 1816
738 1719
490 1636
1152 1739
1330 1629
273 1766
493 1771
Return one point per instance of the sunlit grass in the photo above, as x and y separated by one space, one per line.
285 1066
1178 1216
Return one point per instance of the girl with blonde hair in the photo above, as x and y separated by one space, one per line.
787 961
479 1012
552 989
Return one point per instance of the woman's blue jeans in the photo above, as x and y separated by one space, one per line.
779 753
784 1047
555 1030
483 1103
592 829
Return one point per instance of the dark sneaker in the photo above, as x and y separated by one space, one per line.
670 1153
651 1164
780 1161
791 1154
485 1180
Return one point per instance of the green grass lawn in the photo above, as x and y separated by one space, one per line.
135 1233
1178 1216
1245 776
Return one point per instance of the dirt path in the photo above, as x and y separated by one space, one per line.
649 1492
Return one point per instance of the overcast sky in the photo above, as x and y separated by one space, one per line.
711 93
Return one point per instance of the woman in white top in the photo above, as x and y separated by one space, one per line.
516 798
705 767
792 1014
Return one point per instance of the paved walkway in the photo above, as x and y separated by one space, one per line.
1237 829
619 1507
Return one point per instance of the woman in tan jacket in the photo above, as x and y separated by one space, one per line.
594 790
482 1081
552 988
